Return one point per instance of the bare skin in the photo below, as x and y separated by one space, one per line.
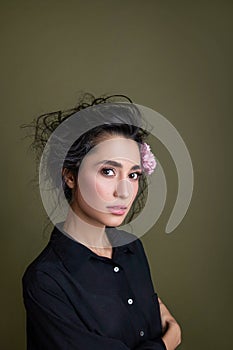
108 180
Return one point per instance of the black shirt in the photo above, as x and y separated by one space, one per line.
77 300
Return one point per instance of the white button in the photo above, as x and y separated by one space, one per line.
116 269
130 301
142 333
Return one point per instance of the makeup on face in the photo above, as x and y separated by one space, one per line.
107 183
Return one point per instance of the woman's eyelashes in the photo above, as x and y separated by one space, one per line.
135 175
110 172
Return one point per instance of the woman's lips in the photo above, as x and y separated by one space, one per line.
117 209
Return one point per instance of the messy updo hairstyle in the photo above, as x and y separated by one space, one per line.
120 121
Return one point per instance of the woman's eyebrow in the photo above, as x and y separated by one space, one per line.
136 167
117 164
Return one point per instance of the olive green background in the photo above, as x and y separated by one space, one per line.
172 56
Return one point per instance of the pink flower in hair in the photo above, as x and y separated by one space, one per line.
148 159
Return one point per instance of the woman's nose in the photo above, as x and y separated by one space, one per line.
123 189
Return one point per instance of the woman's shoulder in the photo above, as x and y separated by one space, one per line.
43 262
48 259
47 263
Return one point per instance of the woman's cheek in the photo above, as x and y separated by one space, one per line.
135 190
105 191
88 190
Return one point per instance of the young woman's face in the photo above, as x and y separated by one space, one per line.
107 182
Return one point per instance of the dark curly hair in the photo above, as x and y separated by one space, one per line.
121 118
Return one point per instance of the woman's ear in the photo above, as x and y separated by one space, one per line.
69 178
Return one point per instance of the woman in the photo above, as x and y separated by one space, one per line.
91 288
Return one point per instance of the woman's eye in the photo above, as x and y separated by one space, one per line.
135 176
108 172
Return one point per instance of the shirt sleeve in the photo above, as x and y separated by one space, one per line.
156 344
52 323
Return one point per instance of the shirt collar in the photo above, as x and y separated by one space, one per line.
73 254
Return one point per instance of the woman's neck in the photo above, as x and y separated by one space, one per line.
93 237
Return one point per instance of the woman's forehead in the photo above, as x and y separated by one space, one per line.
116 147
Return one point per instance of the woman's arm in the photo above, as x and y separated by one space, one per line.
170 328
171 333
52 323
155 344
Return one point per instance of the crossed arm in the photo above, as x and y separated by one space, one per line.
53 324
170 328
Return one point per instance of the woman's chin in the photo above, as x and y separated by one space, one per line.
115 220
